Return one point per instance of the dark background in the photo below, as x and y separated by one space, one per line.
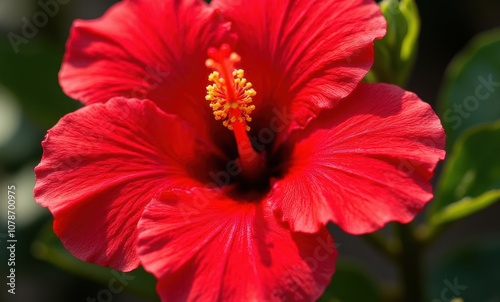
447 27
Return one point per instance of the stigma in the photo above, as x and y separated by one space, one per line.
231 94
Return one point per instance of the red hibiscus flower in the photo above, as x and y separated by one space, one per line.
145 174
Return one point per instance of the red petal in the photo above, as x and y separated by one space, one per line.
364 163
102 164
204 246
303 54
146 49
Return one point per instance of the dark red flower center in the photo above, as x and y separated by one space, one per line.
230 97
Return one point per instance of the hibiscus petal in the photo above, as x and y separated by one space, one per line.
146 49
303 54
362 164
205 246
102 164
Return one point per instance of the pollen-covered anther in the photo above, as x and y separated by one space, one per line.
230 104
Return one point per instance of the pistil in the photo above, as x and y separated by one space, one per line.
230 98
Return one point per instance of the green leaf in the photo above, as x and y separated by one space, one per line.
471 273
31 75
47 247
465 207
470 93
395 53
350 284
471 176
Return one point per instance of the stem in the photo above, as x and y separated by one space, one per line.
410 264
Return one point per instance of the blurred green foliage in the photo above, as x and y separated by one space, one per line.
470 110
43 100
470 94
471 177
471 273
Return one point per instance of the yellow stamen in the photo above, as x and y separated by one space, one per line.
230 101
